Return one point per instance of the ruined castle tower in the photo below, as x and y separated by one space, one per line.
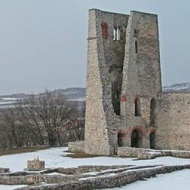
123 81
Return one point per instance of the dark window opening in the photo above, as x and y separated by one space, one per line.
121 34
152 112
137 107
116 92
120 139
152 140
136 47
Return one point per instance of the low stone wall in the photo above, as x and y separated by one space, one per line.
86 169
118 180
180 154
142 153
36 179
78 146
130 152
4 170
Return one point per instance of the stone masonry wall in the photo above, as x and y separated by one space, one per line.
173 121
141 71
104 56
96 130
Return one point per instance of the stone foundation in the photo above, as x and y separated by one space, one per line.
35 165
117 180
142 153
4 170
78 146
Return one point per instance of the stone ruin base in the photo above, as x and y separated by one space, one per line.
77 146
4 170
143 153
140 153
118 177
35 165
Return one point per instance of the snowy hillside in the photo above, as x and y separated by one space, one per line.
79 94
72 94
181 87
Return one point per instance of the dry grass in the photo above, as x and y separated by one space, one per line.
20 150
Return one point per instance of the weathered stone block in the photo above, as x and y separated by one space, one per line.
35 165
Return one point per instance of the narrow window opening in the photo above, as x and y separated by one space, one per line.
152 112
136 47
152 140
137 107
121 35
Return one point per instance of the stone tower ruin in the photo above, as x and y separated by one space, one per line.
125 105
123 80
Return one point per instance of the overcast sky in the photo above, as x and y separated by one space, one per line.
43 42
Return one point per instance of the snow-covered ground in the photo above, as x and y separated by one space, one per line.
173 181
55 157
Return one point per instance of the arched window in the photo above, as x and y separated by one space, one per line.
117 33
104 30
136 46
137 107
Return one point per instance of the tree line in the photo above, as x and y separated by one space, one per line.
47 119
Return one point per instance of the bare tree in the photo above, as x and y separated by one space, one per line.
76 123
45 119
45 115
13 133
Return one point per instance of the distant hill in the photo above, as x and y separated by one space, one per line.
181 87
79 94
72 94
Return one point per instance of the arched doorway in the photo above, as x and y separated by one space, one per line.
137 139
152 140
120 138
